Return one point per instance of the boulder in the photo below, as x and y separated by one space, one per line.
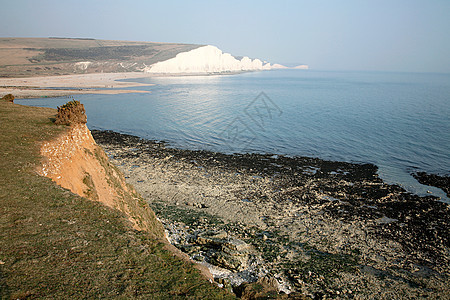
212 238
228 261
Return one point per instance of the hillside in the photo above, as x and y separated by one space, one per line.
56 244
26 57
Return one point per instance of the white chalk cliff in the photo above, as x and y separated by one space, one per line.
278 66
301 67
205 60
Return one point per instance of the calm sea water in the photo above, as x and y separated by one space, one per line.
398 121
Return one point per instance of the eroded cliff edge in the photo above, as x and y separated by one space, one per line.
75 162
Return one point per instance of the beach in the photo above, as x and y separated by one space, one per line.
309 225
66 85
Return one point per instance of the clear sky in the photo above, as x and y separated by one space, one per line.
384 35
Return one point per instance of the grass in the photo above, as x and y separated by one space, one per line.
91 192
54 244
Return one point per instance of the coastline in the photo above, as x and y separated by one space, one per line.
91 83
66 85
440 181
327 219
309 225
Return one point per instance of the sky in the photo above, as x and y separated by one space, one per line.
378 35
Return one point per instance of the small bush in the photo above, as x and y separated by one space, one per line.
8 97
72 112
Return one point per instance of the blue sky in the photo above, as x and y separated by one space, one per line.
394 35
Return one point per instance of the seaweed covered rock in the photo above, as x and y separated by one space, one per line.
439 181
8 97
72 112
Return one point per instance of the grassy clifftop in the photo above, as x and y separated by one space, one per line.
55 244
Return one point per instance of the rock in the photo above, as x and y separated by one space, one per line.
264 288
234 255
228 253
211 238
199 205
234 261
237 245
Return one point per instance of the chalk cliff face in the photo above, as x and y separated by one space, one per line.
302 67
204 60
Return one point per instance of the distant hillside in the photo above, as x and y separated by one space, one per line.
24 57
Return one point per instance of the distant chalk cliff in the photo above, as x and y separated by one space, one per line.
207 60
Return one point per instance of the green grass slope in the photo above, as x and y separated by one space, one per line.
54 244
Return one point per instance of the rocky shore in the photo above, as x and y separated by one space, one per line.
301 225
442 182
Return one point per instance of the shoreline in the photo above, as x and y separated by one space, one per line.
310 225
439 181
66 85
91 83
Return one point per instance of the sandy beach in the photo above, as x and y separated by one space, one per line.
56 86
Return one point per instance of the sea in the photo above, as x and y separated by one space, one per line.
397 121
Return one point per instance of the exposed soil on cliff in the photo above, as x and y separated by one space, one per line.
323 228
74 161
